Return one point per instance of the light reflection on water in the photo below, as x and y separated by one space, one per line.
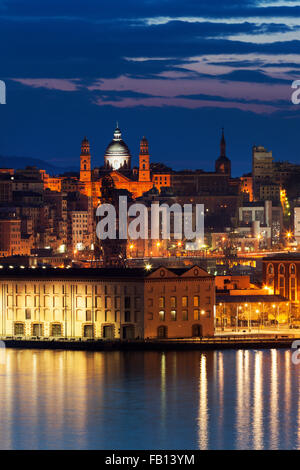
242 399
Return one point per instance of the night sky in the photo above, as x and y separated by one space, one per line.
176 71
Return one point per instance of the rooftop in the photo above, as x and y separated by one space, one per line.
241 299
283 256
44 272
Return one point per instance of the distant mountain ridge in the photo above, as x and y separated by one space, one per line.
22 162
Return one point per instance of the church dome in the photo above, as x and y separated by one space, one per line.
117 154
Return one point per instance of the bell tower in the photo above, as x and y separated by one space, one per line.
223 164
85 161
144 161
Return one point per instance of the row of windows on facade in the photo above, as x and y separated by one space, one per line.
184 301
292 269
87 316
281 283
78 289
80 302
197 315
56 330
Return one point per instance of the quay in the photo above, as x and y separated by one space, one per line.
199 344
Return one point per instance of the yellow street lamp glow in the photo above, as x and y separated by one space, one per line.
158 244
202 312
148 267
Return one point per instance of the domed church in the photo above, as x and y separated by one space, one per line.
117 155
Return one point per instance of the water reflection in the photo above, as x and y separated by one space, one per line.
152 400
203 411
258 402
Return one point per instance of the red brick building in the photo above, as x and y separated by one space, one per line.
281 274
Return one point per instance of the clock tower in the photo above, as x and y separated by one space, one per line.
85 162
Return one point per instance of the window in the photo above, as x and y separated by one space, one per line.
88 315
27 313
281 269
293 269
173 302
162 315
88 331
185 316
56 330
270 269
37 329
196 300
173 315
19 329
184 302
127 315
161 302
150 316
281 280
127 302
196 315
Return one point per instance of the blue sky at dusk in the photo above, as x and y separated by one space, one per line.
176 71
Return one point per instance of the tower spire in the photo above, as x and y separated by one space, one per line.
223 145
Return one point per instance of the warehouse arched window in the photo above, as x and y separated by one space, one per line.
281 280
270 276
293 282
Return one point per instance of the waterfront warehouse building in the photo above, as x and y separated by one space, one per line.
106 303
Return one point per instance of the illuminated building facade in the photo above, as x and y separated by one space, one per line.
281 273
106 303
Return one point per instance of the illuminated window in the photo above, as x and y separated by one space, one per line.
293 283
281 280
173 302
184 302
196 315
196 300
173 315
162 315
161 302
